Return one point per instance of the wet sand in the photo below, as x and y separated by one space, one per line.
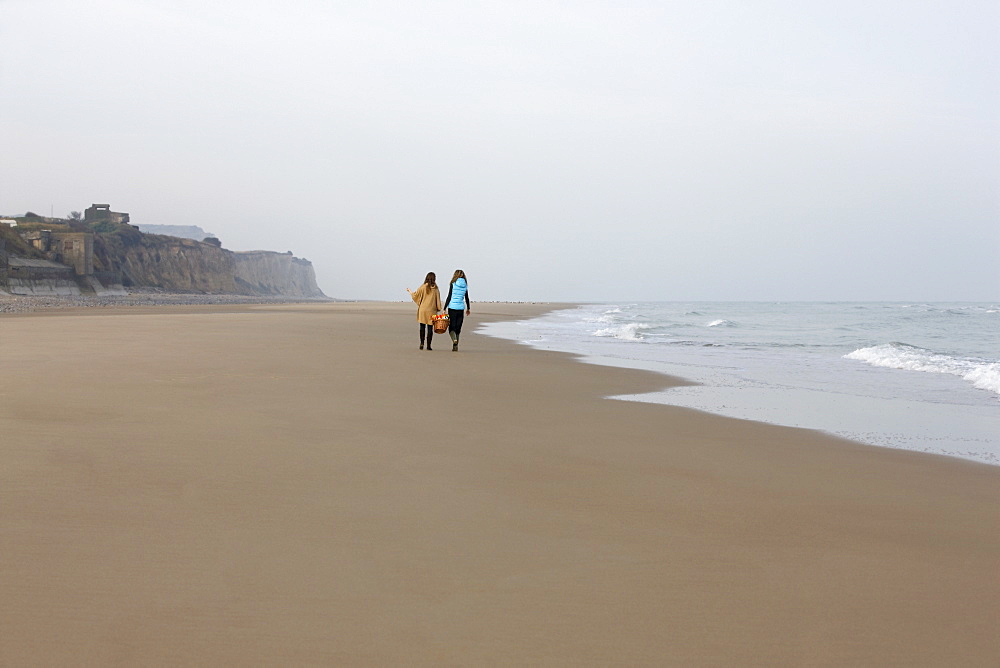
291 484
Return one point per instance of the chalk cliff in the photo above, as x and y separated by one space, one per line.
270 273
184 265
70 257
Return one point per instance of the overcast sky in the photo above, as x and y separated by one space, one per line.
554 150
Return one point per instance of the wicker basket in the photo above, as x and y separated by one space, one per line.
440 323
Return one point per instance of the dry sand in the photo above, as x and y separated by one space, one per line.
299 484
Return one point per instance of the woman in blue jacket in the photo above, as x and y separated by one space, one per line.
458 292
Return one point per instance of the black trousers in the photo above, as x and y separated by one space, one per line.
455 318
430 333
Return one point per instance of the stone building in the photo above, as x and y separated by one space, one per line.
39 240
75 249
101 212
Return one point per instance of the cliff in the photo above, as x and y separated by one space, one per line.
270 273
86 258
184 265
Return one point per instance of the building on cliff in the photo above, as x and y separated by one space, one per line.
64 262
102 212
67 267
74 249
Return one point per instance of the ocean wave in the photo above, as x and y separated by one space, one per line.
626 332
984 375
721 323
693 343
606 317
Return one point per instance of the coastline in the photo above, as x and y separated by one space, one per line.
297 483
757 366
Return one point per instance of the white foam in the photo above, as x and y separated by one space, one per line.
721 323
607 317
796 375
983 375
626 332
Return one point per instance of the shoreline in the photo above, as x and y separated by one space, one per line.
334 495
742 386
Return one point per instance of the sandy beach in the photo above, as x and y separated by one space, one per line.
289 484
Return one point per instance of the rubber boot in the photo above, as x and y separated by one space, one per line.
430 336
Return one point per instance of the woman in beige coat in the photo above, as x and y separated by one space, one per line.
428 301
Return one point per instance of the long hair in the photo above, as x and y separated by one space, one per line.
459 274
431 279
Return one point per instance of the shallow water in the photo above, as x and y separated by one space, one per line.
922 377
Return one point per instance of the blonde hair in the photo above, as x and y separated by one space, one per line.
458 274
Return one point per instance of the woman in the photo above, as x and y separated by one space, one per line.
428 300
458 292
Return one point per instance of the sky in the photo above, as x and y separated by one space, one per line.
554 150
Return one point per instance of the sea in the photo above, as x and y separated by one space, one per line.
916 376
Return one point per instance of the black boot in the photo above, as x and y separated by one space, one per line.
430 335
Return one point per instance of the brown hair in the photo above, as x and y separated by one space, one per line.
458 274
431 279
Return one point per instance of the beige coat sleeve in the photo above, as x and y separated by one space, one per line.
418 295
